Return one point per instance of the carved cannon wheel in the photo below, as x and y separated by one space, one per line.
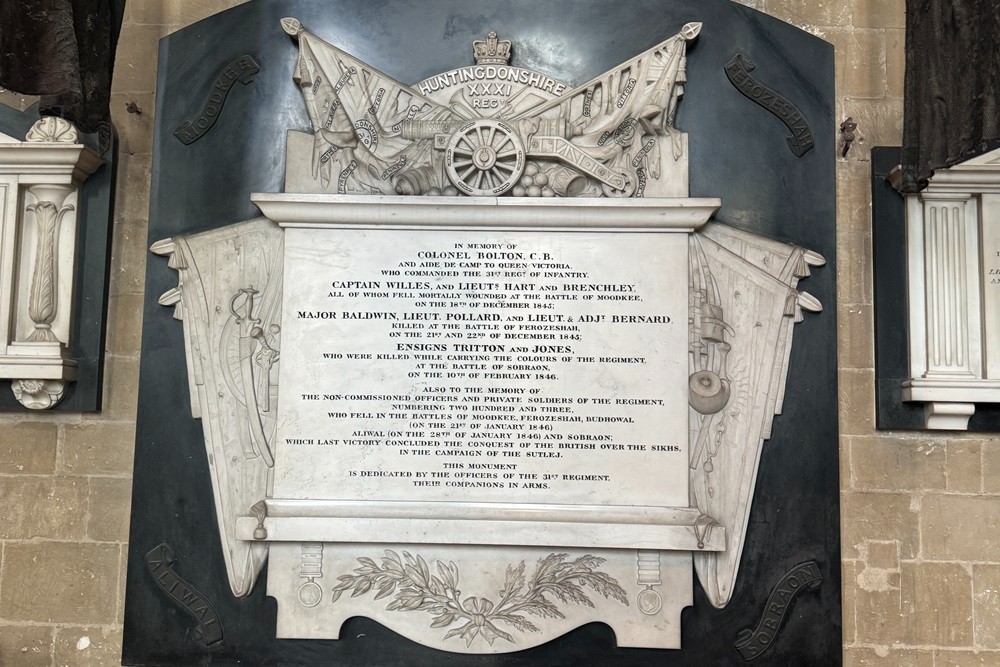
631 185
485 158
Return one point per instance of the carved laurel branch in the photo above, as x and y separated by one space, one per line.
416 589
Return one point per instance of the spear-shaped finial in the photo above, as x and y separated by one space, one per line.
690 31
292 26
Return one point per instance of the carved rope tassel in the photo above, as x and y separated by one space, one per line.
43 303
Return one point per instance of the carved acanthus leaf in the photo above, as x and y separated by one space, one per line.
53 129
43 300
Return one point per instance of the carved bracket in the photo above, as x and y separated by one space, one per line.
39 181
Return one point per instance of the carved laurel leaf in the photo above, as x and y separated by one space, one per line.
449 575
363 586
416 589
541 607
444 620
514 581
518 622
386 589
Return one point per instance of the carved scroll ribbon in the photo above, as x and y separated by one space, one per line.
159 561
242 69
738 70
752 643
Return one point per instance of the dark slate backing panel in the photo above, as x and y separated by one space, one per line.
738 153
90 298
892 358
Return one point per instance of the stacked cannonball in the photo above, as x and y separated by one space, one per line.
448 191
533 183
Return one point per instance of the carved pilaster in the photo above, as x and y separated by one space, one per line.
946 260
945 298
39 179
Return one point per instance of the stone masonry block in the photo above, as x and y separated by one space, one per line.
125 325
121 389
856 656
881 517
135 175
88 647
128 262
937 603
880 122
891 463
59 582
811 12
135 60
855 331
98 448
860 61
25 646
966 658
961 528
27 447
857 402
965 466
110 504
895 62
986 601
878 13
135 130
42 507
176 13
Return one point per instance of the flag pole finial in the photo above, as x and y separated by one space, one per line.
292 26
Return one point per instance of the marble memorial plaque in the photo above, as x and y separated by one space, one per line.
522 367
481 369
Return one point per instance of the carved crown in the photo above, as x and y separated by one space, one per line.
491 51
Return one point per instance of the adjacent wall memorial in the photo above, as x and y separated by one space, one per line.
477 347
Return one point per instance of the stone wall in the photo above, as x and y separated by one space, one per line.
920 512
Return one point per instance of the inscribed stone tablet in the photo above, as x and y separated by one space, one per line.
536 367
